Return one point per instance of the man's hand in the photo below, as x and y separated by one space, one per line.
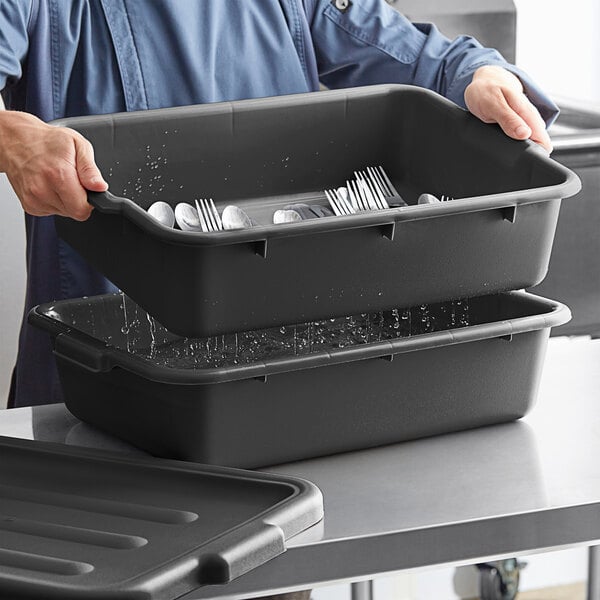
496 96
50 168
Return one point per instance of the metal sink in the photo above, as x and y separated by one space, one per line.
574 271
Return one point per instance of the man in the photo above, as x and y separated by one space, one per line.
61 58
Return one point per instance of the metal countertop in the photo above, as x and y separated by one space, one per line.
458 498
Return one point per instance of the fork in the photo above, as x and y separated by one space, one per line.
367 191
377 184
208 214
338 200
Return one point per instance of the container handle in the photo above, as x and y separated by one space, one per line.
106 202
86 355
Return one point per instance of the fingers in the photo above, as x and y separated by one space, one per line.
509 120
533 122
50 168
88 172
71 196
496 96
55 193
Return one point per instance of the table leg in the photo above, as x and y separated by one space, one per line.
593 584
362 590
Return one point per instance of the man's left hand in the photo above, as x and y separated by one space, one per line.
495 95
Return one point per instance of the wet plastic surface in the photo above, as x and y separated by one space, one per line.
289 408
264 154
79 523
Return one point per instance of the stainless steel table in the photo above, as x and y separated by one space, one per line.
478 495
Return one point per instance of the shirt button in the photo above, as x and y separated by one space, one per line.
342 5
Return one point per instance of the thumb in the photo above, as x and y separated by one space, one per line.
87 171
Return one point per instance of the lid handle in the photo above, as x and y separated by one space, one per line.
244 550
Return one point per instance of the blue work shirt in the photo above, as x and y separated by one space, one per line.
63 58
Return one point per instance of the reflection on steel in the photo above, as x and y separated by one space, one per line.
362 590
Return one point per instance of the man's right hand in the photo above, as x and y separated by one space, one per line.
50 168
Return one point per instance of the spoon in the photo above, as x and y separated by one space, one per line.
234 217
427 199
187 218
163 213
286 216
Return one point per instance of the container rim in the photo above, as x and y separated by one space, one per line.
93 355
108 203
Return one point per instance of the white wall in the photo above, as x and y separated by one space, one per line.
12 281
558 43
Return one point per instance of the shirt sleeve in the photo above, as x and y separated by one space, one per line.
369 42
14 22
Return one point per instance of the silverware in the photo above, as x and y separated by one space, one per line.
427 199
300 211
339 202
205 217
431 199
208 215
286 216
234 217
163 213
368 191
187 217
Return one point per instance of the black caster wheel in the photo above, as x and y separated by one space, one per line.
490 584
499 580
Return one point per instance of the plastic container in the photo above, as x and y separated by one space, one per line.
262 154
80 523
290 406
574 270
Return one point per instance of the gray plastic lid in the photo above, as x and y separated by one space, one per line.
80 523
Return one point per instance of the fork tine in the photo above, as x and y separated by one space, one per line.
334 199
363 192
338 202
207 216
372 191
355 195
382 184
358 195
203 222
377 186
342 203
216 215
342 195
333 204
210 214
369 199
352 197
387 181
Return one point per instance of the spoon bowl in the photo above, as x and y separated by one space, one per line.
163 213
187 218
234 217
